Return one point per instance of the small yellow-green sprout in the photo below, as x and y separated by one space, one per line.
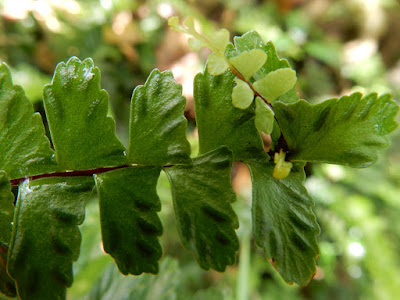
282 167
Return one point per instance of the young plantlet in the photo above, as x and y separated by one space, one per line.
215 41
282 168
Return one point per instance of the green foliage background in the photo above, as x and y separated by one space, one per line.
336 47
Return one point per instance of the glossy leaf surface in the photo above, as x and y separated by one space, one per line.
129 222
7 285
347 131
220 123
157 130
46 238
283 222
76 108
202 195
24 148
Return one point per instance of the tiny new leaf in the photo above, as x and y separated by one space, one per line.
276 83
7 285
264 120
242 94
347 131
202 195
252 40
283 222
24 147
220 123
46 239
216 64
157 129
247 63
76 109
129 222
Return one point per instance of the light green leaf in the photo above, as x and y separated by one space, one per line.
157 129
242 94
218 40
202 194
189 23
220 123
276 83
247 42
264 119
216 64
24 147
7 285
76 109
247 63
283 222
275 135
215 41
252 40
274 63
46 238
195 44
129 222
347 131
173 22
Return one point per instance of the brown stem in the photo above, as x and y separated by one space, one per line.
17 181
240 76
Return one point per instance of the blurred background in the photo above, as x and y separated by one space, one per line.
336 47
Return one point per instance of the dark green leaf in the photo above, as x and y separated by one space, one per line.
129 222
347 131
7 285
202 194
46 238
283 222
24 148
76 108
6 209
275 135
157 130
220 123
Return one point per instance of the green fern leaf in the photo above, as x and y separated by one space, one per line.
202 194
46 238
129 222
